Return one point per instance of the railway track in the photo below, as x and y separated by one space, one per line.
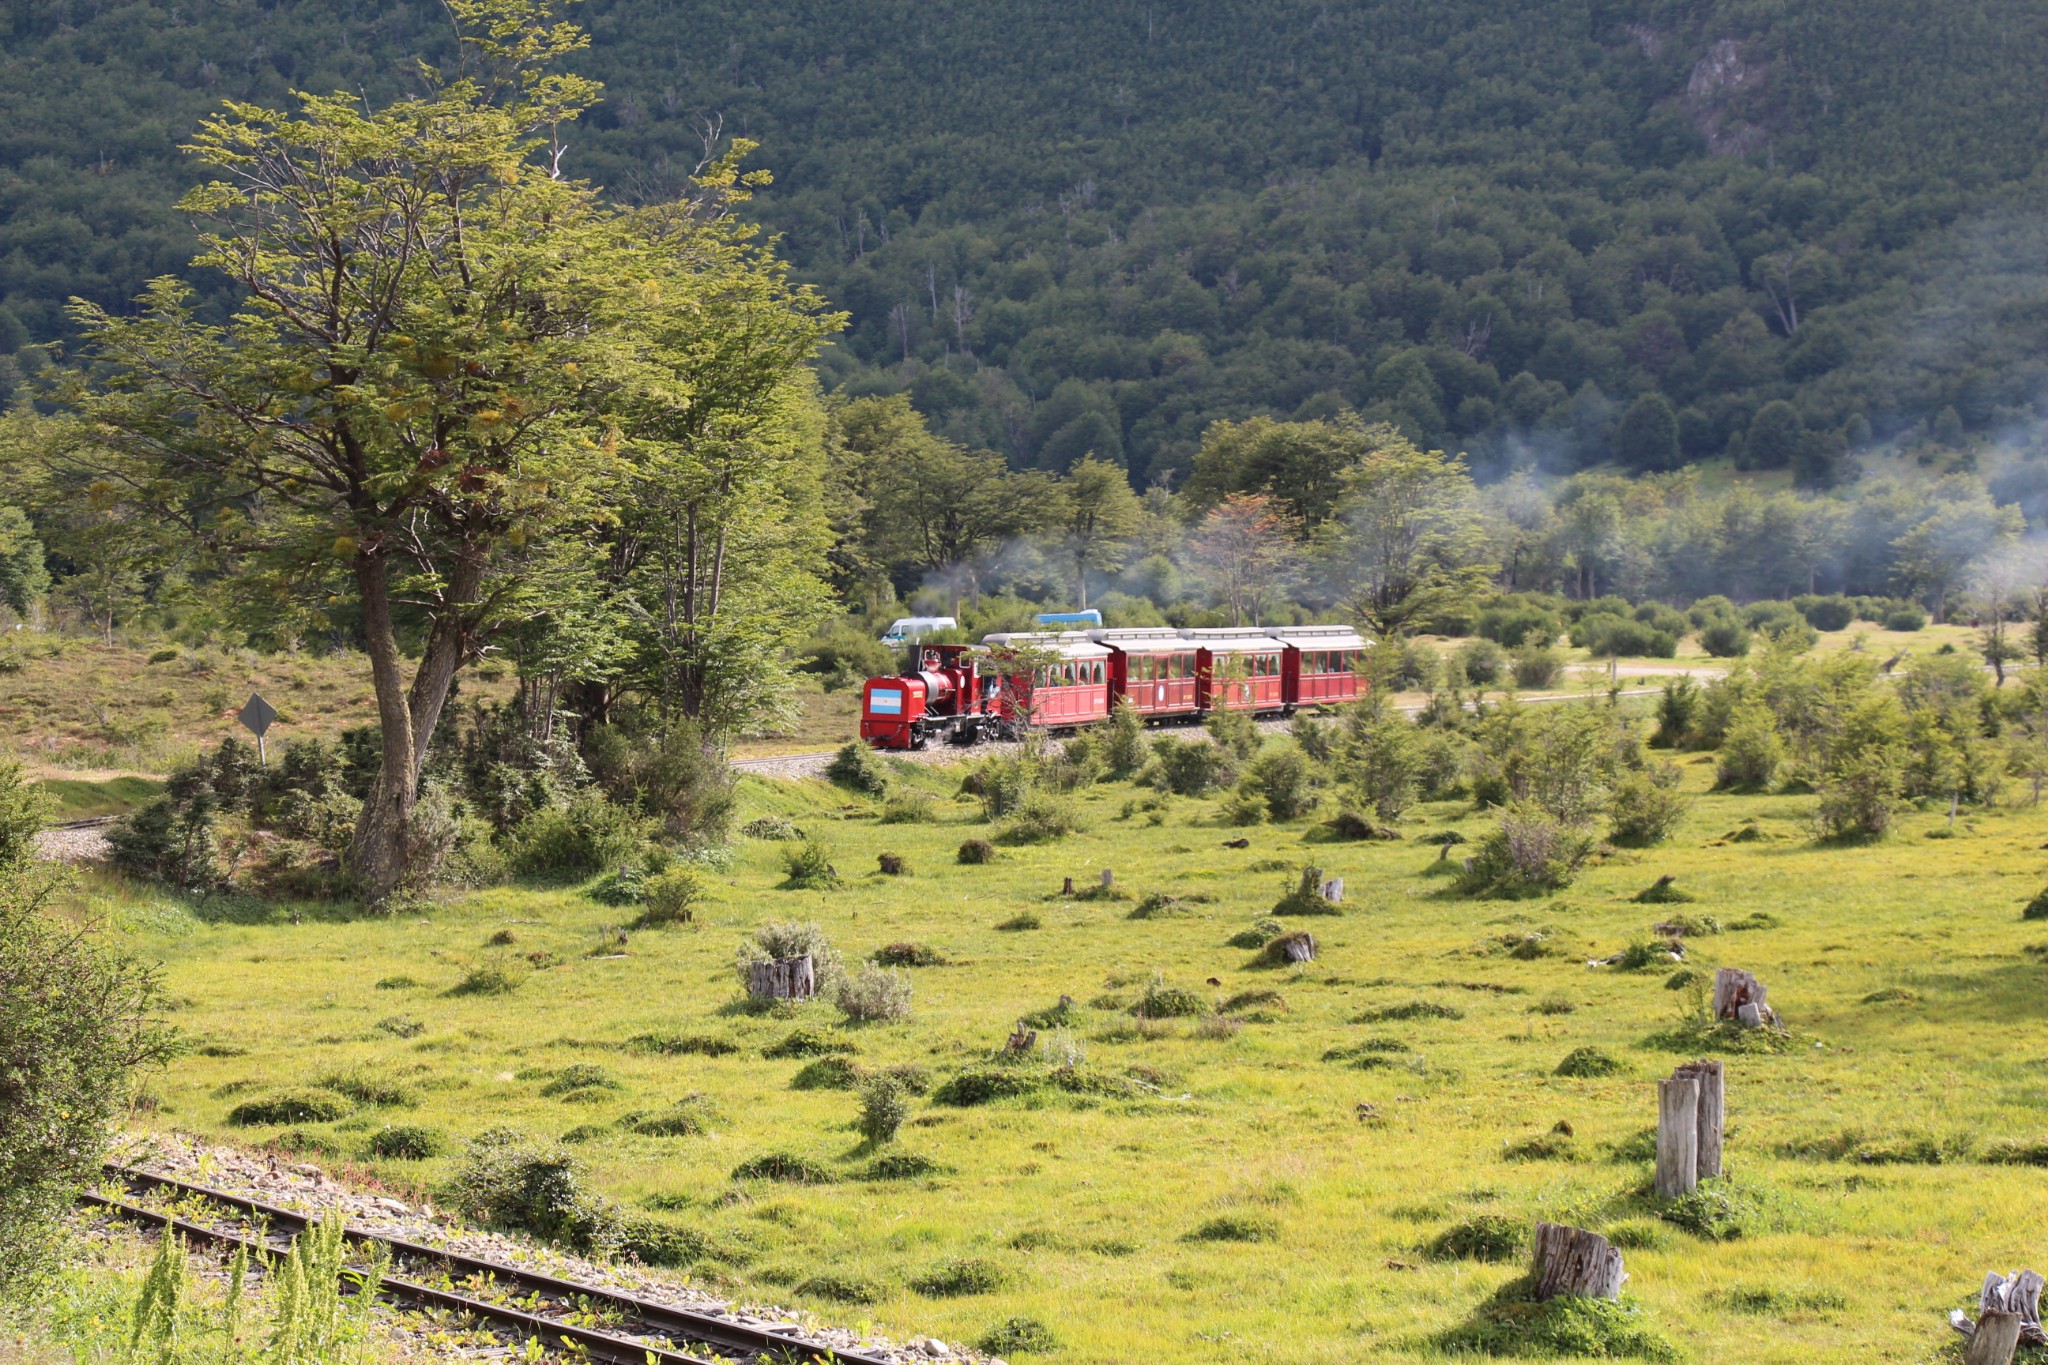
525 1303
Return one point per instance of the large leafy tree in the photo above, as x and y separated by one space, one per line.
422 399
1099 519
1408 541
1248 550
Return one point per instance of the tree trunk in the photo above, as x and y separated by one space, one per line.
1712 1110
1996 1338
1576 1263
791 978
382 855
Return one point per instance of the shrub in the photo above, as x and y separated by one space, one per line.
1284 781
1536 666
1482 662
901 1166
1724 637
984 1086
1014 1335
1236 733
1125 746
771 827
837 1288
875 995
511 1182
1527 853
883 1108
809 866
690 1116
1305 896
1515 627
585 836
575 1082
1645 807
976 851
172 839
805 1042
908 955
1829 613
1906 618
1751 751
1605 636
1236 1227
364 1088
1587 1062
490 978
1162 1001
1020 922
858 768
780 940
785 1167
955 1279
827 1073
291 1106
1189 767
2037 908
1042 817
1488 1237
913 809
668 896
407 1142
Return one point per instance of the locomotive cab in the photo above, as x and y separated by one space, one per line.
944 696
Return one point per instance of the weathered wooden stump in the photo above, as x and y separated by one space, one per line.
1576 1263
1067 886
1022 1040
1333 890
2009 1311
1995 1339
1678 1136
1298 947
789 978
1108 879
1741 997
1713 1106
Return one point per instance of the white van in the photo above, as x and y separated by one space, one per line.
907 629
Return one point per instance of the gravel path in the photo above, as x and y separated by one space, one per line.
306 1188
73 844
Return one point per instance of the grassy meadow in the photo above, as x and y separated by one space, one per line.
1231 1194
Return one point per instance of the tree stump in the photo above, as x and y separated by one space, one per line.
1067 886
1298 947
2017 1296
1678 1136
789 978
1333 890
1576 1263
1108 879
891 864
1741 997
1022 1040
1996 1338
1712 1113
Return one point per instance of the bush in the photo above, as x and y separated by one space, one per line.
805 1042
1488 1237
984 1086
1515 627
23 808
668 896
2037 908
1587 1062
291 1106
836 1288
858 768
827 1073
585 836
809 866
508 1181
690 1116
785 1167
1284 781
1751 752
1724 637
1125 746
173 838
883 1108
1305 896
1536 666
1527 853
1907 619
772 828
1645 807
901 1166
1190 767
490 978
1383 764
875 995
976 851
1014 1335
1617 636
908 955
1044 816
1828 613
407 1142
1482 662
954 1279
913 809
1162 1001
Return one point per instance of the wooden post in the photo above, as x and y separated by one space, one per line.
1713 1113
1108 879
1067 887
1678 1136
1996 1338
791 978
1576 1263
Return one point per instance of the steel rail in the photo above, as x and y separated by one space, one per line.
707 1329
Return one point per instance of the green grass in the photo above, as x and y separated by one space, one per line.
75 799
1186 1190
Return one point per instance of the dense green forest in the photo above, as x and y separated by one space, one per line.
1560 230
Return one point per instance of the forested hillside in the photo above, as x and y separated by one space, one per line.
1578 229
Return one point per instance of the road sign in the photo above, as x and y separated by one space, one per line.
256 716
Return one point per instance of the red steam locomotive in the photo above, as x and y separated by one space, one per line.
1012 683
